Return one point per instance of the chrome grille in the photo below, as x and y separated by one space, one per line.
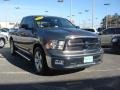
78 44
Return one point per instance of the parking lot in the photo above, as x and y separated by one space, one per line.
16 73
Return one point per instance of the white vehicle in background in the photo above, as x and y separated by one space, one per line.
91 30
3 40
5 32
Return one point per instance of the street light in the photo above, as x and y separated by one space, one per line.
79 17
6 13
86 10
106 4
93 7
60 0
17 7
6 0
46 12
70 8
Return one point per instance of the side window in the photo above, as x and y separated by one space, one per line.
109 31
29 22
23 21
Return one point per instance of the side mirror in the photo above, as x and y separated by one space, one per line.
77 27
25 26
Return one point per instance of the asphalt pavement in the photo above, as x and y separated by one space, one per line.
16 73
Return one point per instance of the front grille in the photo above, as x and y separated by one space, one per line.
78 44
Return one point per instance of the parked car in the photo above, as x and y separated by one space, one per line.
5 32
111 38
55 43
91 30
3 40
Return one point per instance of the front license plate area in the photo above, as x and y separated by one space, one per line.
88 59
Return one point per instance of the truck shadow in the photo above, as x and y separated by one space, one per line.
106 83
25 65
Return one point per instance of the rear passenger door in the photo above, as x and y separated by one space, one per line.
26 36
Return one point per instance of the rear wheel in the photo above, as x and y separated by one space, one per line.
39 61
12 47
2 43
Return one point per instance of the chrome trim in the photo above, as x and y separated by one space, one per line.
67 51
76 42
49 60
81 43
82 65
23 50
76 36
23 55
79 55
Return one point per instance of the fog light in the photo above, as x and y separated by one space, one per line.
59 62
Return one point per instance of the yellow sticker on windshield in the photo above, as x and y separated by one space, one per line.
39 18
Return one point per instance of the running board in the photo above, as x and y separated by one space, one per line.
22 55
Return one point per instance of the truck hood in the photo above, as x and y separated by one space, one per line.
61 33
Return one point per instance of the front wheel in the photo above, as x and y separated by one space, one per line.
39 61
2 43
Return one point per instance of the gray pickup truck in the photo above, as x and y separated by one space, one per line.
55 43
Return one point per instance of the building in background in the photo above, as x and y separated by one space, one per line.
7 24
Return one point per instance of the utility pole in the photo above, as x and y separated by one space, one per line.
93 7
79 17
6 14
70 8
106 4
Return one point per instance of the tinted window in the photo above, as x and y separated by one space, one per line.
117 31
28 21
23 21
109 31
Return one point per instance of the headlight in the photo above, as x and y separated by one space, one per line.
55 44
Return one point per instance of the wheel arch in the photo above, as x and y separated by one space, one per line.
38 45
3 39
43 51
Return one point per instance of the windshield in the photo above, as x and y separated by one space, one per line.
54 22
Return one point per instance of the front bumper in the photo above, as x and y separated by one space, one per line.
73 60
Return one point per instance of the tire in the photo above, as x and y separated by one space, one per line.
39 61
12 47
2 43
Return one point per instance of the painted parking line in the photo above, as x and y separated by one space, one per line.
104 70
45 87
85 71
14 73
